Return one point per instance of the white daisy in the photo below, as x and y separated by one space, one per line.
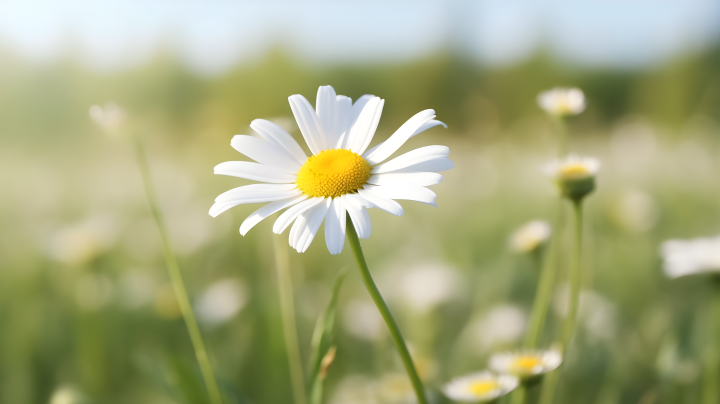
688 257
480 387
526 364
575 175
531 236
342 175
562 101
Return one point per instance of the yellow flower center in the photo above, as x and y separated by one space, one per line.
333 173
525 364
574 171
483 387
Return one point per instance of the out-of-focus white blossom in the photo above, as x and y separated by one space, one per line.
362 320
635 211
221 301
688 257
574 175
480 387
562 101
531 236
67 395
500 325
109 117
526 364
424 287
80 242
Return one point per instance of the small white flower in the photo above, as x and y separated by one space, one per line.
526 364
480 387
575 175
562 101
110 117
221 301
341 176
688 257
531 236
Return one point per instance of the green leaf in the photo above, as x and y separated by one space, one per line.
322 341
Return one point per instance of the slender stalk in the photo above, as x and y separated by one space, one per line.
711 376
563 136
542 299
568 330
176 277
385 312
520 395
287 310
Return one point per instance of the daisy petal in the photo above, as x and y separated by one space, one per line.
411 158
377 201
419 194
364 127
308 122
254 171
344 110
264 153
326 107
278 137
358 214
394 142
267 210
406 179
289 215
434 165
255 191
314 218
335 226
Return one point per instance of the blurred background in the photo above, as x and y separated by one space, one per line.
87 314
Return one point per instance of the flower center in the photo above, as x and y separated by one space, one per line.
526 364
333 173
574 171
483 387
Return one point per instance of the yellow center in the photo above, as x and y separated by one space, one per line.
333 173
525 364
574 171
483 387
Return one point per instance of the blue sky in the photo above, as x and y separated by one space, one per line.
213 36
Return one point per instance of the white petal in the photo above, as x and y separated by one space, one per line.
264 153
358 214
327 114
419 194
411 158
406 179
335 226
434 165
276 135
342 123
308 122
289 215
254 171
427 125
314 217
364 127
377 201
297 230
394 142
255 191
267 210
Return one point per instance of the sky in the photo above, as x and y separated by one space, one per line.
212 36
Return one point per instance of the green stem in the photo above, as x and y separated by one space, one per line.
711 375
568 330
287 310
564 138
519 396
176 278
385 312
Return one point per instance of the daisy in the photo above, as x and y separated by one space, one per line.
562 101
342 174
531 237
482 387
526 364
575 175
689 257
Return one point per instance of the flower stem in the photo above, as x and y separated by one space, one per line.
568 330
176 277
385 312
287 310
564 137
520 395
711 375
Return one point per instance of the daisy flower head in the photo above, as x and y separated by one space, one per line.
109 117
562 101
689 257
574 175
526 365
481 387
342 174
531 237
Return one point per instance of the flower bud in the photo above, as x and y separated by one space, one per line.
574 175
531 237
